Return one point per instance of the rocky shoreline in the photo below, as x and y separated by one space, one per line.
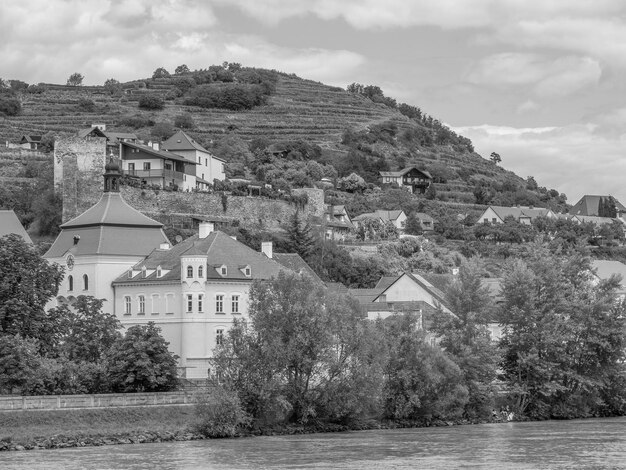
61 442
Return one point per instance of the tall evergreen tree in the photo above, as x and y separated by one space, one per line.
300 237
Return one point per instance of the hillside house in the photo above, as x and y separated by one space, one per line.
589 205
208 167
426 222
411 178
150 165
30 142
395 217
523 215
9 223
337 222
406 293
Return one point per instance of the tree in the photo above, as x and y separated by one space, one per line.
300 238
10 105
27 283
420 381
141 362
431 192
76 79
495 158
20 363
161 72
464 336
304 354
112 86
184 121
413 225
163 130
564 340
47 142
181 69
151 101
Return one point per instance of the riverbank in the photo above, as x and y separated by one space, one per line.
31 430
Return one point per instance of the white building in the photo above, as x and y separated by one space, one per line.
208 166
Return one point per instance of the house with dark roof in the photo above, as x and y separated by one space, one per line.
195 290
30 142
395 217
152 165
411 178
208 167
337 223
427 223
523 215
9 223
589 205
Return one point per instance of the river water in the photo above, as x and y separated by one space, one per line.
593 443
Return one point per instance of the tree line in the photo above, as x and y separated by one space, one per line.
308 356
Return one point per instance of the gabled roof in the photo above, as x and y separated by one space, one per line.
219 249
90 131
119 135
30 139
404 172
424 217
159 153
589 204
368 215
9 223
598 221
520 212
389 215
182 141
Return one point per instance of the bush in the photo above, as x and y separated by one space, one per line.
163 130
10 106
151 102
220 414
36 89
85 104
184 121
161 72
136 121
235 97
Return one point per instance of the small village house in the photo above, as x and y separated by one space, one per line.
337 223
523 215
395 217
411 178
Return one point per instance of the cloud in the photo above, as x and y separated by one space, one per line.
546 75
574 159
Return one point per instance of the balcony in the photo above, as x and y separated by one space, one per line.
160 173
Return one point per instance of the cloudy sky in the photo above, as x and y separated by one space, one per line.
541 82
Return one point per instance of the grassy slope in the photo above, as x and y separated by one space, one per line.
24 426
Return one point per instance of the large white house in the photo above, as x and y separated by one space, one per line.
193 290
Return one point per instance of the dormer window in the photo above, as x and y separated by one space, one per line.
143 271
246 270
130 274
222 270
158 271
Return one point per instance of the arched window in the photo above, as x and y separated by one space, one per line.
70 283
200 271
189 271
85 282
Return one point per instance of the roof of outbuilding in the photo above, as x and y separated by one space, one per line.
295 263
165 155
9 223
405 171
182 141
589 205
519 212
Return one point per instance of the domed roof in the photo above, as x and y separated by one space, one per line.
112 166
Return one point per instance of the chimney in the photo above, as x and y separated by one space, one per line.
164 246
155 145
205 229
267 249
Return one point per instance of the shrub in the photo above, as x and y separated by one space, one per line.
220 414
10 105
36 89
151 101
18 85
184 121
76 79
163 130
235 97
136 121
161 72
184 84
85 104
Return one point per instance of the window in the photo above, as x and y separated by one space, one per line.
206 163
142 305
70 283
168 303
219 303
189 271
159 274
189 303
168 166
223 270
146 166
494 220
248 272
155 303
235 303
219 337
85 282
200 271
127 306
131 167
200 299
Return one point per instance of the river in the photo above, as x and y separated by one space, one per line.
593 443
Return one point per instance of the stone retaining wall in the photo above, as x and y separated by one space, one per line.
62 402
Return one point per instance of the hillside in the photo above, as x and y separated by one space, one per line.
351 132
